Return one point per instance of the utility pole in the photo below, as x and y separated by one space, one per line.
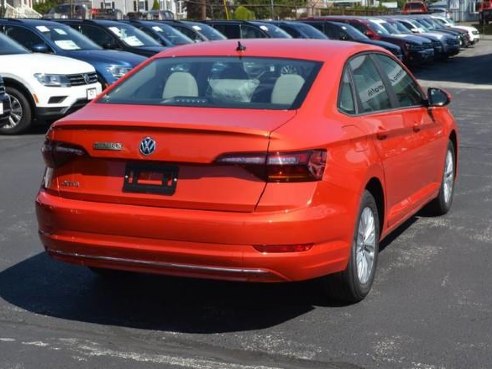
203 7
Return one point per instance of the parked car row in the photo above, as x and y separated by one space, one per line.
111 48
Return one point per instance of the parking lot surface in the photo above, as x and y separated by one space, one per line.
430 307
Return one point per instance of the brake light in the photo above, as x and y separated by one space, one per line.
300 166
55 154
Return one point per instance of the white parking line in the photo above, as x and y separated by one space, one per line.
455 85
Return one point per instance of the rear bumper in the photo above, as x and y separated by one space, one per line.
199 244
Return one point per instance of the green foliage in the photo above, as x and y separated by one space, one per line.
156 5
242 13
43 8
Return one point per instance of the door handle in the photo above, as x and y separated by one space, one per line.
381 134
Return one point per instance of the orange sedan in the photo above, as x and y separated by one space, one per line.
263 160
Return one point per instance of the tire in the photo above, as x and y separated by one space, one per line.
354 283
442 203
21 113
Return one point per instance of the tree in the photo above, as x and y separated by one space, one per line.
156 5
242 13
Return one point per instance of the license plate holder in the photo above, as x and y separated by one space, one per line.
91 93
150 178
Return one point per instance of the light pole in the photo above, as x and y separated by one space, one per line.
271 9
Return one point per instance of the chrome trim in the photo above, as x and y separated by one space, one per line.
188 267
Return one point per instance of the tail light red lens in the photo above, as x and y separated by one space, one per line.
55 154
300 166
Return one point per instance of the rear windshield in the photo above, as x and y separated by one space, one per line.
223 82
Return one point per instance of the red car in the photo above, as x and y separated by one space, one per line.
264 160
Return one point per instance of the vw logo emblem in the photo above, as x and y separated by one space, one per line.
87 78
147 146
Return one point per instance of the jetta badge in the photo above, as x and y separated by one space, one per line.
147 146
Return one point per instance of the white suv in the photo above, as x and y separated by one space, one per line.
472 31
45 87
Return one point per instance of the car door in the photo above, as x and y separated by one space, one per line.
428 136
392 138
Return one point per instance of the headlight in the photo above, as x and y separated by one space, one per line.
52 80
118 71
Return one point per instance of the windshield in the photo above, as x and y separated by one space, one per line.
210 33
353 32
171 34
218 82
423 24
309 31
9 46
66 38
388 27
272 30
400 27
376 27
132 36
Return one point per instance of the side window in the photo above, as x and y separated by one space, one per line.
369 85
250 32
24 37
97 35
346 101
228 30
406 89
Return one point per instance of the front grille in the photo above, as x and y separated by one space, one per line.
82 79
436 44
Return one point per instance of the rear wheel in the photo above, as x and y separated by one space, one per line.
354 283
442 203
20 114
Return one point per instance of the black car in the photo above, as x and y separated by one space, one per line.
198 32
300 30
346 32
163 33
115 35
4 105
247 29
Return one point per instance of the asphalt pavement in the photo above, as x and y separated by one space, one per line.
430 307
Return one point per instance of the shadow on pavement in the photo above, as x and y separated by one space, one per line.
47 287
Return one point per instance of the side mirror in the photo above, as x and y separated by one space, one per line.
40 48
437 97
415 30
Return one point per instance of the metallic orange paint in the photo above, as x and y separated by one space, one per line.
212 225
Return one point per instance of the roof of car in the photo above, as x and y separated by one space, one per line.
283 48
30 21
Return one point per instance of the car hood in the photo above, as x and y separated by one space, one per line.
44 63
386 45
107 57
412 38
148 50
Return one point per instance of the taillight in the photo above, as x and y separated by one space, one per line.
300 166
55 154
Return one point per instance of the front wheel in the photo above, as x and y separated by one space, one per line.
354 283
442 203
20 113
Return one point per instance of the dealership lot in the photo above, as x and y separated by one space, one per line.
429 308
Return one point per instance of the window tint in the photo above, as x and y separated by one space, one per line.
346 99
229 30
251 32
406 89
99 36
368 84
24 36
225 82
